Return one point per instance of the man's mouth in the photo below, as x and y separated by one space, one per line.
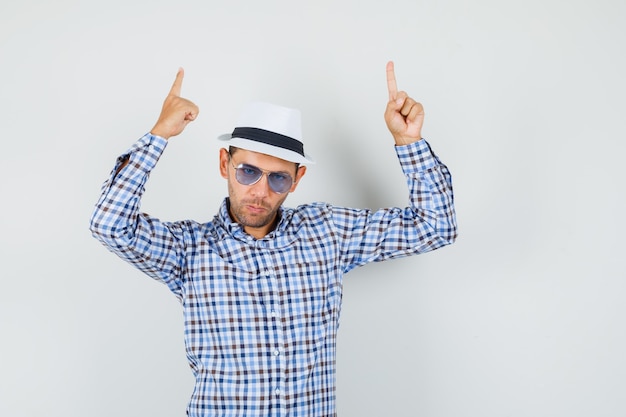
254 209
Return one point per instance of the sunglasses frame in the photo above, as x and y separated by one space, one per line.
263 172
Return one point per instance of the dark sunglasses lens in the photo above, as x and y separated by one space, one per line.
247 174
280 183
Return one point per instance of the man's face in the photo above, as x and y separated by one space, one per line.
256 206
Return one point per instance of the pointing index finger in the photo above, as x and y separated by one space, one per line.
391 81
178 83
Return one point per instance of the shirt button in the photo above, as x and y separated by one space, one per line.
277 391
276 352
273 313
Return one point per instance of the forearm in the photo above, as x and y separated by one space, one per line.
430 189
113 221
427 223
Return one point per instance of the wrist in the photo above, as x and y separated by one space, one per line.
403 140
157 131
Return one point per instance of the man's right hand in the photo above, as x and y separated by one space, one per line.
176 113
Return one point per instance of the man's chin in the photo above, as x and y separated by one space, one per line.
254 216
256 221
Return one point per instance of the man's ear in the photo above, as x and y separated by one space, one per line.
299 174
224 161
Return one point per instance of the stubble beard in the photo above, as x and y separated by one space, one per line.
241 216
252 220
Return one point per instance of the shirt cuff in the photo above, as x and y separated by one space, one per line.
145 152
149 139
416 157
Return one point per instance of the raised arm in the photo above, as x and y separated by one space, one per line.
428 222
153 246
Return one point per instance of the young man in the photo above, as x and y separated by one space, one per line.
261 284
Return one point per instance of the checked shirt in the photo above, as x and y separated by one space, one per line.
261 315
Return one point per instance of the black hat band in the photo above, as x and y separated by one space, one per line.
269 138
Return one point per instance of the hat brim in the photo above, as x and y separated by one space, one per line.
254 146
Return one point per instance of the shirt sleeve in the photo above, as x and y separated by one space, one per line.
154 247
426 224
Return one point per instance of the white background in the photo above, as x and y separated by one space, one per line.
524 101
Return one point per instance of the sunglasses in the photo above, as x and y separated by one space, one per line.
279 182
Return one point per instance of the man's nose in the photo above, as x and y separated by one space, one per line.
261 188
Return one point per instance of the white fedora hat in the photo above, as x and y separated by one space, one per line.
269 129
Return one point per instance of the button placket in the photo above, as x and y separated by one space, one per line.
276 339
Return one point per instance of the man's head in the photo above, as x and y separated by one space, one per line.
258 184
262 165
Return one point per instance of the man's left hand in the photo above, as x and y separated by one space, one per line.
404 116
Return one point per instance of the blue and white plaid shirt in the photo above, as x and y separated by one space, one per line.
261 315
